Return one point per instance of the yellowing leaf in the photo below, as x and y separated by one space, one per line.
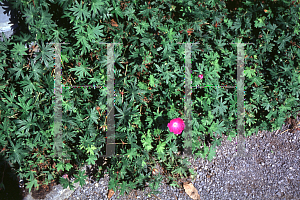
191 191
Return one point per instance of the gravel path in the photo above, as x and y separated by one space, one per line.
271 171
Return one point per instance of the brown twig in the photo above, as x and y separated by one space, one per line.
73 80
98 109
156 196
289 129
119 143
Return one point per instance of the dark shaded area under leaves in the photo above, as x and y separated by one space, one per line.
15 188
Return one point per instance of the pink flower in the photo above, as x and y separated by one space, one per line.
201 76
65 176
176 125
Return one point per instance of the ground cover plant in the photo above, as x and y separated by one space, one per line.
149 82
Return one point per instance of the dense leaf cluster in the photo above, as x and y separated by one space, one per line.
149 82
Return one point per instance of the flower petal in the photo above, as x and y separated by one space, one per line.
176 126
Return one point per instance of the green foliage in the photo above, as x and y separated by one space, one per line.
149 68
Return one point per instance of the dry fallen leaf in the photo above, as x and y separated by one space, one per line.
110 193
114 23
191 191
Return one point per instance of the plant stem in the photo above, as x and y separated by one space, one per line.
124 81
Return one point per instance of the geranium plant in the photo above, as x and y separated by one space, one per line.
149 80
